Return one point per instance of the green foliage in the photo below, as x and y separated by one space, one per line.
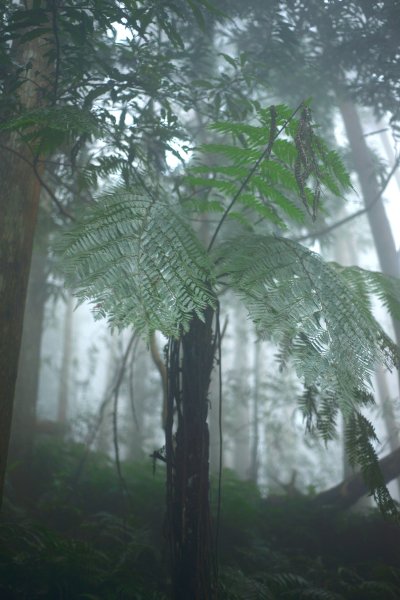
139 262
300 301
367 283
46 129
292 172
276 548
360 435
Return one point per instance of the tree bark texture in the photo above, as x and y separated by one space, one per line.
26 391
19 199
190 363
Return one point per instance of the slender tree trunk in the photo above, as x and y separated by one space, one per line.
388 415
255 416
19 199
390 155
214 423
187 453
66 360
241 397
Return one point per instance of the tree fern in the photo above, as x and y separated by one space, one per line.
141 264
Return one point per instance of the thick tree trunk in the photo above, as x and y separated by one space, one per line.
187 453
24 418
19 199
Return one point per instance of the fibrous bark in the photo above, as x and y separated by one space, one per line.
187 455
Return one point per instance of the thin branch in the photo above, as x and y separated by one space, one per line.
54 8
354 215
264 155
117 387
94 430
376 132
131 388
33 165
54 198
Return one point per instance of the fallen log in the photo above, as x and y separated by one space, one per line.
347 492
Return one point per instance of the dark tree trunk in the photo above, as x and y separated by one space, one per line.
19 200
187 451
26 391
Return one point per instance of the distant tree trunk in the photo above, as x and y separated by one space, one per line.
241 425
187 454
388 415
26 391
19 200
255 415
66 361
378 221
389 151
213 421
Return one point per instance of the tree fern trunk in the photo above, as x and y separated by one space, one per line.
189 372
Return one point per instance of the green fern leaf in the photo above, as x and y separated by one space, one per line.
139 264
291 293
296 171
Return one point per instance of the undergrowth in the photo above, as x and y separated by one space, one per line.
80 533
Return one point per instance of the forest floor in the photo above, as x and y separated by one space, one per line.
72 530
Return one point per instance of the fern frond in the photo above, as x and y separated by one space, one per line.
384 287
47 128
329 332
360 436
139 263
290 291
290 180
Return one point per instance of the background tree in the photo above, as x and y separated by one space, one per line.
63 74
